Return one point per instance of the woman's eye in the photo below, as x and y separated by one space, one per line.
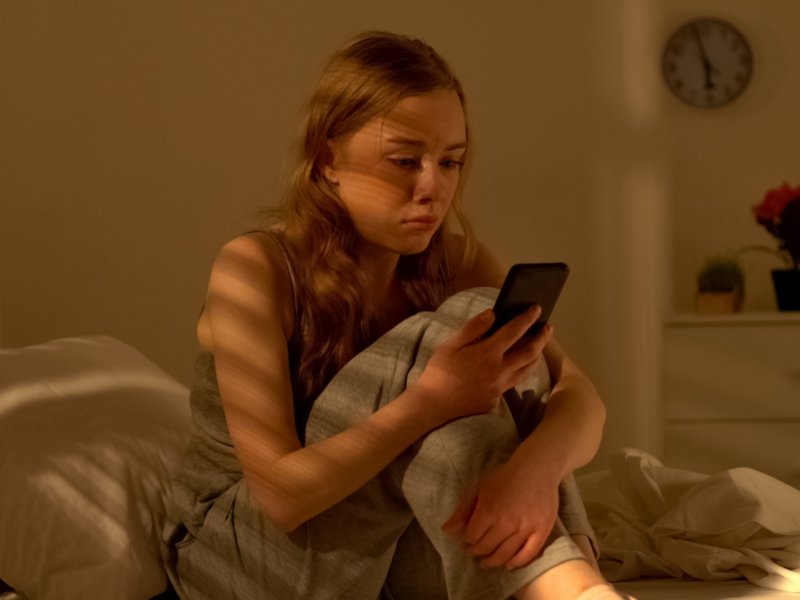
405 163
452 164
412 163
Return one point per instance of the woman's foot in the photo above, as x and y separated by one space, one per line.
573 580
605 591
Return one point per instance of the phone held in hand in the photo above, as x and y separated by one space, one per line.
525 285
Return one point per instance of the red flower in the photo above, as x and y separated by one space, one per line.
769 211
780 214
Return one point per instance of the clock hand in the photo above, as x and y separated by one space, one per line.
707 66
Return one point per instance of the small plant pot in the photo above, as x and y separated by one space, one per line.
787 289
718 302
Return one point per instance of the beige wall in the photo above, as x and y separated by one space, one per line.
138 137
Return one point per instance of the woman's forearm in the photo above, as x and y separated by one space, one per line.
308 481
570 431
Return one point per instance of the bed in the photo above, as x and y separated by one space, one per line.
91 432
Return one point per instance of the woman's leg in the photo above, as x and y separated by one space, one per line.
451 458
444 467
416 572
436 472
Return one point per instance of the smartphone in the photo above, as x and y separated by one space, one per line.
527 284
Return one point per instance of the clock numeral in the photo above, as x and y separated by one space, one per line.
739 77
710 99
744 60
672 67
677 49
679 84
728 91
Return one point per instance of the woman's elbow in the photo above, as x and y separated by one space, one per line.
286 526
583 389
602 412
283 520
598 406
282 515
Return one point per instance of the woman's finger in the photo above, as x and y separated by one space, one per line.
460 517
529 551
476 528
471 330
491 541
526 355
504 551
510 333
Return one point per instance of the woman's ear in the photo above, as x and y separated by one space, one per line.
330 162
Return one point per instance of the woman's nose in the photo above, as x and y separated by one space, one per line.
428 184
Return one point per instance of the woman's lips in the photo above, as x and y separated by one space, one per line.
421 223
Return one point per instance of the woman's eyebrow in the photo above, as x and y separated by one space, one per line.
411 142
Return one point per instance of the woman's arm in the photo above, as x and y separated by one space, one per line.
246 305
570 432
247 299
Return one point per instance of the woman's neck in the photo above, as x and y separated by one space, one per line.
381 269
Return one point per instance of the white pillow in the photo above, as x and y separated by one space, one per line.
91 433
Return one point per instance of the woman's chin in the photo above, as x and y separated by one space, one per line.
416 246
402 244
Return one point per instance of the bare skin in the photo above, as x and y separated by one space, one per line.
392 173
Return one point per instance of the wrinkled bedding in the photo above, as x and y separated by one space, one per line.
655 521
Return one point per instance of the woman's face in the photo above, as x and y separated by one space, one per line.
398 174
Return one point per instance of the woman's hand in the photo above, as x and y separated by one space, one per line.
508 515
467 375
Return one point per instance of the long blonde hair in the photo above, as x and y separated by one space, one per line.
363 80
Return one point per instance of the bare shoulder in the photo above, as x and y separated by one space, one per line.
250 273
257 248
486 270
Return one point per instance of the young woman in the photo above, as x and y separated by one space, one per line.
357 498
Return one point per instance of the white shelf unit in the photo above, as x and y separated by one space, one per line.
732 393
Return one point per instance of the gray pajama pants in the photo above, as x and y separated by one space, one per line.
384 540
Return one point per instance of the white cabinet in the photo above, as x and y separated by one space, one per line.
732 393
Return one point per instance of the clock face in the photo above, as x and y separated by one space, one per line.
707 63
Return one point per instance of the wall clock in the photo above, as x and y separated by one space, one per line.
707 63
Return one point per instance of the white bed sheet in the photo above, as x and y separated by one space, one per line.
693 589
658 522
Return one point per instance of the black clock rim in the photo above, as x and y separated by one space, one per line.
696 21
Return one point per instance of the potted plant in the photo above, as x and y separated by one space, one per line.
720 286
779 213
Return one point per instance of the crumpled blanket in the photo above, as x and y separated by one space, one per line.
655 521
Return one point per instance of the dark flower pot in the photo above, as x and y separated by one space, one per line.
787 289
